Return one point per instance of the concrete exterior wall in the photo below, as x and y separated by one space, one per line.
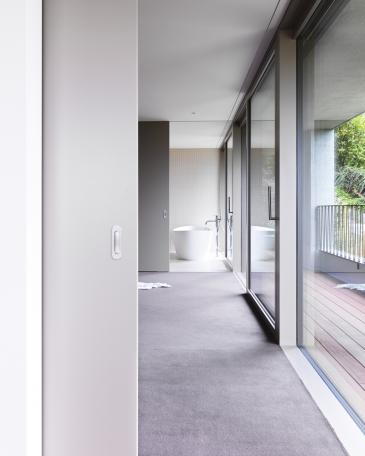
331 263
323 167
323 186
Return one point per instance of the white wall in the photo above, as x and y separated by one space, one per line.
194 187
20 231
90 184
13 231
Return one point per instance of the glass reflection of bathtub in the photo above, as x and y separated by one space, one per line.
262 243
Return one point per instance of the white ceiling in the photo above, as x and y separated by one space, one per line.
193 57
195 135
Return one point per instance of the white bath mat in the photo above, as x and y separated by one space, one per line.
149 286
353 286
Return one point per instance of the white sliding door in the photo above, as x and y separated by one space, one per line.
90 184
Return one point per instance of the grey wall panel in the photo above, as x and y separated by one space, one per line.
287 143
153 173
90 183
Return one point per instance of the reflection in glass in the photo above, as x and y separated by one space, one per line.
262 192
332 207
229 203
244 227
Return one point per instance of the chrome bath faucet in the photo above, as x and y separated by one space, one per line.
217 221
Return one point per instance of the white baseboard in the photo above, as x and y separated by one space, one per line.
240 280
350 435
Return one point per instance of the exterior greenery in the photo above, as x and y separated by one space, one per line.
350 143
345 198
351 180
350 161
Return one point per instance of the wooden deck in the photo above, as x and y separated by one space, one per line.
334 334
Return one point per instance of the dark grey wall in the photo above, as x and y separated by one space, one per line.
153 196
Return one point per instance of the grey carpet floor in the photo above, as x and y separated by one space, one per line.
210 381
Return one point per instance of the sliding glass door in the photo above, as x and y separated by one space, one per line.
331 265
244 205
229 200
262 201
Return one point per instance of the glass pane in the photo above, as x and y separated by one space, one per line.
332 202
229 205
262 192
244 214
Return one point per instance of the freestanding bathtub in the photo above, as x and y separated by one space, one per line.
192 242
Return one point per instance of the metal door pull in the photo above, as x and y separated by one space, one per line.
271 217
116 242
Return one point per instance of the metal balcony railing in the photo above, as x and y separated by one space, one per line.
340 231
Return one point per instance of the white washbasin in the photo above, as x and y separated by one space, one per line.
192 242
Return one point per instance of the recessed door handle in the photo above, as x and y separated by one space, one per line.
229 206
269 203
116 242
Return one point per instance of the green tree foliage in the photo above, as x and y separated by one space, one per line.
350 143
343 197
350 161
352 181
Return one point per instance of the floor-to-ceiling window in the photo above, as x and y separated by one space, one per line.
244 212
332 199
229 202
262 165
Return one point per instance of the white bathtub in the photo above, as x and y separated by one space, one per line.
192 242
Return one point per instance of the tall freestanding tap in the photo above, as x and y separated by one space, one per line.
217 221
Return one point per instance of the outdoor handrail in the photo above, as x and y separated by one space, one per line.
340 231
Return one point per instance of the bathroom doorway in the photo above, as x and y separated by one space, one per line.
197 188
